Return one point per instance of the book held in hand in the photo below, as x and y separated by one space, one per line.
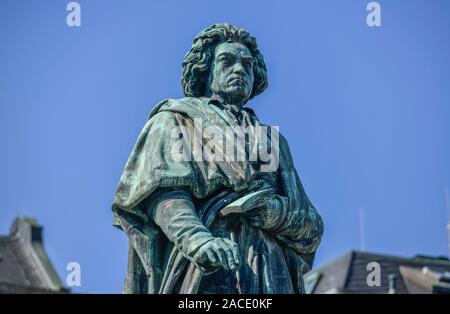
246 203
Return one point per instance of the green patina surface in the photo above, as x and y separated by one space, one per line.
170 209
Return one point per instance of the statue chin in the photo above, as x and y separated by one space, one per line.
236 95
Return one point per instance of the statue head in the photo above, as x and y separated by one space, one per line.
224 61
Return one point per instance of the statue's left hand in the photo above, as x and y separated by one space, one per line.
268 215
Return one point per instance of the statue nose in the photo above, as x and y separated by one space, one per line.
238 68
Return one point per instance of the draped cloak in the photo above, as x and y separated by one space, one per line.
155 264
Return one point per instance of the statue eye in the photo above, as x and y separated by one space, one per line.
248 63
226 61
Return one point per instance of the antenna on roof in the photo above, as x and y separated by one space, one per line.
447 206
362 229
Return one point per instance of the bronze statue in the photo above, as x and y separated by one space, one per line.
198 218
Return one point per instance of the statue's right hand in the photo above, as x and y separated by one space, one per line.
219 252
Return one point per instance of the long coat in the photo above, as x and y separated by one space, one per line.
154 263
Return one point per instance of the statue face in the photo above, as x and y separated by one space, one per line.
231 74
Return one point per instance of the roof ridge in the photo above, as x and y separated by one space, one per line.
415 258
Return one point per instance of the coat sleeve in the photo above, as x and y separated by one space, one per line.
174 212
301 226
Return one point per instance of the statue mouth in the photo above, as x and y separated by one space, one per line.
237 81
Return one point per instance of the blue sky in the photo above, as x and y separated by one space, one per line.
366 112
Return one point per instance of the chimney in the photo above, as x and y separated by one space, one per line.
392 278
28 229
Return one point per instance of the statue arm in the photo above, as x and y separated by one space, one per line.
174 212
301 228
297 224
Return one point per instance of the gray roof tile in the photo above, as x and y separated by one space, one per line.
348 273
24 263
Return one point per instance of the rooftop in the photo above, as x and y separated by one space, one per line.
24 264
348 274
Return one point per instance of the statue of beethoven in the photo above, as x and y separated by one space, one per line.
199 219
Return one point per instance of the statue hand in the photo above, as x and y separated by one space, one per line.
219 252
266 216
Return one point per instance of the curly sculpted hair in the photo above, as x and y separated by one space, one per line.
197 61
